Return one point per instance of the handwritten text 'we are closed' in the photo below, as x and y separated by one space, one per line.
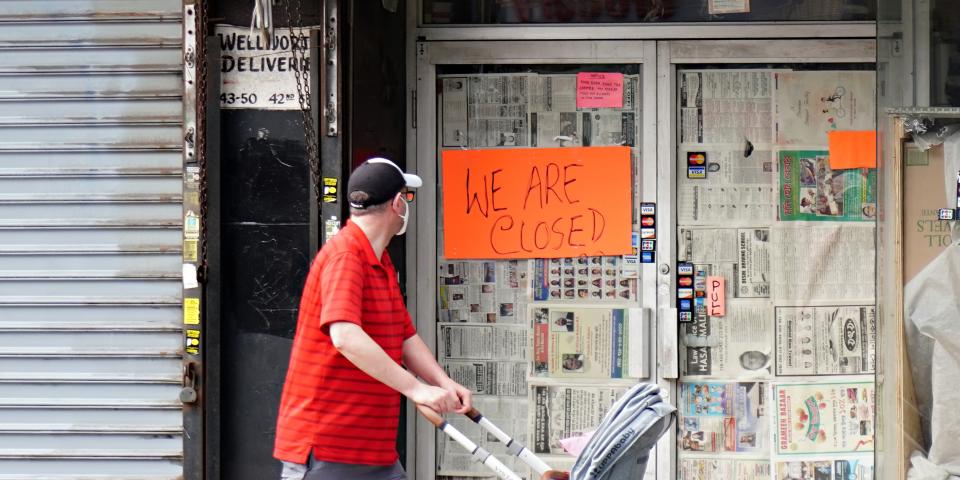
536 203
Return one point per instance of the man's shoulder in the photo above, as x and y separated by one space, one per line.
341 244
339 251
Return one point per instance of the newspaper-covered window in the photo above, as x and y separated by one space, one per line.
547 344
776 275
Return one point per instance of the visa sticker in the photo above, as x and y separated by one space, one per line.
685 269
648 209
697 173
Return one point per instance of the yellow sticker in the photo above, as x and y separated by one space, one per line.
192 342
190 250
330 182
191 311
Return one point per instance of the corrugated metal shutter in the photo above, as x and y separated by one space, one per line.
90 234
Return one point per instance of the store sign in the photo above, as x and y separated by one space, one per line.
537 202
258 71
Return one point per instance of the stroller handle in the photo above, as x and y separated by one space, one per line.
482 455
431 415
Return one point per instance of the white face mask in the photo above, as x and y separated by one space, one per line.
405 216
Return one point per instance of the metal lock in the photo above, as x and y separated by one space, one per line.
188 394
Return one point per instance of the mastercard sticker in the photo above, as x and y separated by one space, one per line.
696 159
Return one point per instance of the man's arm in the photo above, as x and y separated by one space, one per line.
354 344
420 360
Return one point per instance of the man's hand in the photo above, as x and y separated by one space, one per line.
462 393
439 399
418 358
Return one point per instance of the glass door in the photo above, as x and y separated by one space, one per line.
736 193
548 340
770 180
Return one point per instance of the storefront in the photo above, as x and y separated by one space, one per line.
674 192
727 132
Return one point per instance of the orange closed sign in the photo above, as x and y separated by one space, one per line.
537 202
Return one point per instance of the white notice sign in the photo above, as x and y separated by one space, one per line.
719 7
259 72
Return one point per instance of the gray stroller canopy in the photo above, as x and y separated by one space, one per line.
621 445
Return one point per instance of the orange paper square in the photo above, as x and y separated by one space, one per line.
853 149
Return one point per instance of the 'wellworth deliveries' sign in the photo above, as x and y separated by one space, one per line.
537 202
257 71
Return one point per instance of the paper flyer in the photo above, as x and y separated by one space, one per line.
835 340
824 417
856 468
723 417
811 191
577 342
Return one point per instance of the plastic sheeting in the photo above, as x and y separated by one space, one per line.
932 317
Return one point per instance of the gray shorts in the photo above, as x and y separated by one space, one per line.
320 470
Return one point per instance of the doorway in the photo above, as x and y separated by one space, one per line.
508 95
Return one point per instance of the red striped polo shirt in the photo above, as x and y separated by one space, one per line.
328 405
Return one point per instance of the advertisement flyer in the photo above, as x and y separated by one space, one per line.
717 468
824 417
578 342
593 279
858 468
811 104
810 190
826 340
724 417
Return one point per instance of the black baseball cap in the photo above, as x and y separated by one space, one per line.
380 179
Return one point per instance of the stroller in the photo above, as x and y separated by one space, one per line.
617 451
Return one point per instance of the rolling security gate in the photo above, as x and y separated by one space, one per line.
90 235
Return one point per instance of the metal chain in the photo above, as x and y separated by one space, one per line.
302 75
201 136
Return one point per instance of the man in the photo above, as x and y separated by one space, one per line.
340 409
